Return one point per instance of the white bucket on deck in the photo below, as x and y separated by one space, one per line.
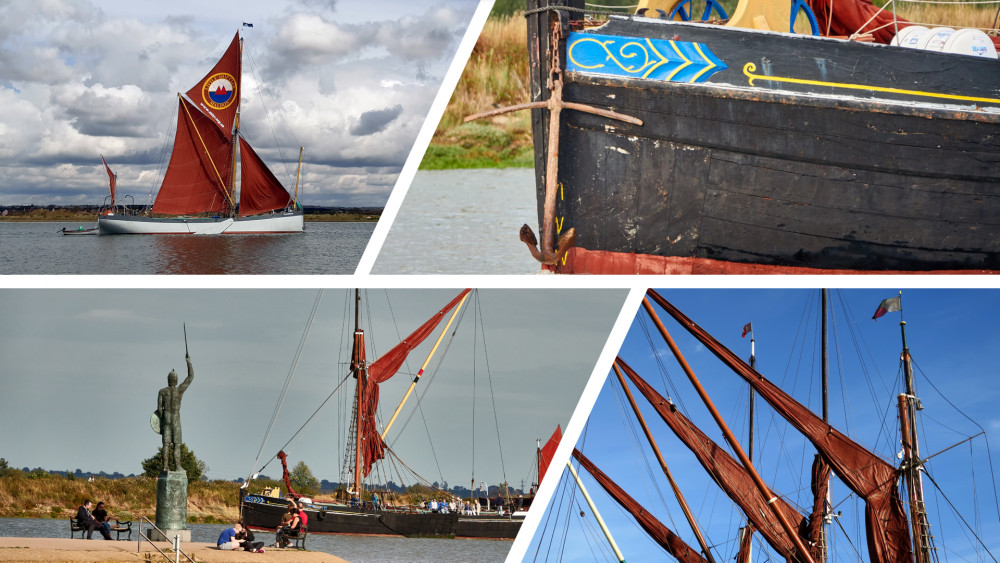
971 42
909 36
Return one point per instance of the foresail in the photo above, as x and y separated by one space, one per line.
260 191
861 470
656 530
380 371
199 169
217 95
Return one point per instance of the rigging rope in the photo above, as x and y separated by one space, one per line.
267 114
288 378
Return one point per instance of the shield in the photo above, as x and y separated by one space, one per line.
154 421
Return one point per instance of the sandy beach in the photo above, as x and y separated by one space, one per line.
98 551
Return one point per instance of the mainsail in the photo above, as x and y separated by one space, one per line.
200 176
862 471
112 180
379 371
546 453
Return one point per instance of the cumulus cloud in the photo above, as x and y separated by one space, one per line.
78 80
375 121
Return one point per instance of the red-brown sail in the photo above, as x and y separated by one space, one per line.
112 180
861 470
656 530
260 191
200 166
549 450
217 95
727 472
379 371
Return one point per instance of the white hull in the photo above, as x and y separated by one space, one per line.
278 222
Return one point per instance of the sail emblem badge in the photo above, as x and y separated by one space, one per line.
219 90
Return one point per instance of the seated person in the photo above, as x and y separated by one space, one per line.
289 530
227 539
246 539
86 520
101 515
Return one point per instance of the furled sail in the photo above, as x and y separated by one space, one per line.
200 166
730 475
862 471
656 530
260 191
549 450
379 371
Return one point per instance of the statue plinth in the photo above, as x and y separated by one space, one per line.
171 506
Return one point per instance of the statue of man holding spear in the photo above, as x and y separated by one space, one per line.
167 417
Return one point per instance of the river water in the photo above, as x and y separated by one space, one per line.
356 549
463 222
324 248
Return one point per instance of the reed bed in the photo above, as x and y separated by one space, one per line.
22 496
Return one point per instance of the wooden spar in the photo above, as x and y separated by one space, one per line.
424 366
663 465
590 502
911 446
298 173
826 417
737 449
359 371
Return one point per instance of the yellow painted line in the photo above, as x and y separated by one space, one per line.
687 63
749 68
711 65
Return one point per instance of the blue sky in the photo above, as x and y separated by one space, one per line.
351 81
951 335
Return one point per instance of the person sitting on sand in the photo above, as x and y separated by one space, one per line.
86 520
227 539
245 537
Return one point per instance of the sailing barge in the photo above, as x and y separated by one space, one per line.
667 146
798 521
198 193
501 518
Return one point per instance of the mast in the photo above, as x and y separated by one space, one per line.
826 416
298 174
597 515
912 463
360 372
747 530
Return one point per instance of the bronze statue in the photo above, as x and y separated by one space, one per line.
168 413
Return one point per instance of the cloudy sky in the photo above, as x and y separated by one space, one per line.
951 335
349 80
82 368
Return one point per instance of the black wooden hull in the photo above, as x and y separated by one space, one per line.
845 156
347 520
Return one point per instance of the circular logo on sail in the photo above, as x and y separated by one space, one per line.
219 90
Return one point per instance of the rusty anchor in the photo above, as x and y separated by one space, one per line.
552 251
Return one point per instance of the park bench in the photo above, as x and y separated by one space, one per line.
298 541
119 528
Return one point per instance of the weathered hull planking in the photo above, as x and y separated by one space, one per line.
769 149
346 520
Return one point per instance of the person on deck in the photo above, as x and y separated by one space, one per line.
86 520
227 539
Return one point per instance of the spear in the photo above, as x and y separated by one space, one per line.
185 340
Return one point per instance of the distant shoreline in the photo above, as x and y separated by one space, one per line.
36 214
